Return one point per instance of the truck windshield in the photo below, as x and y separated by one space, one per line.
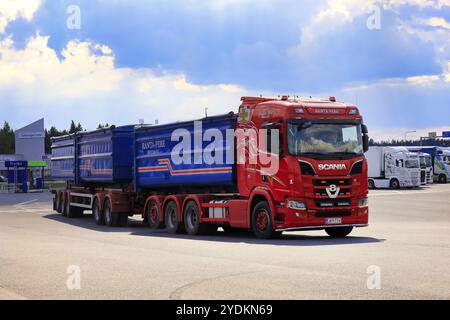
428 162
322 138
413 164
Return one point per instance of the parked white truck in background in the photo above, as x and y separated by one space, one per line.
426 164
393 167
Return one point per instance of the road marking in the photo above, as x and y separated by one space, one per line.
403 193
26 202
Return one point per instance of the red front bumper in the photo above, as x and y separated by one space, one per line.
287 219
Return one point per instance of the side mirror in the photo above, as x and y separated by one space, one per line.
365 132
366 143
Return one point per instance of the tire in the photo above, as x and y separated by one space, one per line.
172 222
64 206
99 216
55 202
71 212
372 184
152 216
394 184
262 221
339 232
192 221
111 218
443 178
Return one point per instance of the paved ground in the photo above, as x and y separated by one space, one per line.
408 242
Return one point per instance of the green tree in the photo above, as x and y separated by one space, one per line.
7 140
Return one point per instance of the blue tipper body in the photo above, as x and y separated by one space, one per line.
101 156
63 158
156 168
105 155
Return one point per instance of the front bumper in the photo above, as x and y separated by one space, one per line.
287 219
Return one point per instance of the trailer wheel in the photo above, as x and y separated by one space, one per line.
152 216
111 218
58 202
442 178
64 206
339 232
71 212
171 218
99 216
192 221
262 222
371 184
395 184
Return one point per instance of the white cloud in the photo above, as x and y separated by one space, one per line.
11 10
86 85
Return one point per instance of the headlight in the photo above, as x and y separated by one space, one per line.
363 203
297 205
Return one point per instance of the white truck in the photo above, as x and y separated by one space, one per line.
393 167
440 158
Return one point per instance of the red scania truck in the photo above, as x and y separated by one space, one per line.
199 176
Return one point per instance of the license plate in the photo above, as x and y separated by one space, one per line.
334 221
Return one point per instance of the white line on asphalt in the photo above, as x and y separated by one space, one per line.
403 193
26 202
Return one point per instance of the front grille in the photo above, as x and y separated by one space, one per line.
333 214
323 192
423 176
330 203
329 182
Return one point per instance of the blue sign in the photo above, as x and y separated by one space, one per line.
446 134
12 164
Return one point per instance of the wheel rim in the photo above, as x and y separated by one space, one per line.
192 219
172 215
395 184
262 220
153 215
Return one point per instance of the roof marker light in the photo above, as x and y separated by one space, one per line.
353 111
333 99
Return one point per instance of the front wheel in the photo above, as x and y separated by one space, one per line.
371 184
442 178
262 222
339 232
395 184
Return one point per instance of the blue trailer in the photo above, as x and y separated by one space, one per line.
63 158
155 168
105 156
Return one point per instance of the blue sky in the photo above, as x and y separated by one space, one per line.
168 60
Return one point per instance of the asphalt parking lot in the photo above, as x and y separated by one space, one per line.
405 254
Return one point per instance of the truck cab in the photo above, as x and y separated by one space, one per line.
426 165
321 182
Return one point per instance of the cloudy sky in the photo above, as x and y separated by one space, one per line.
168 60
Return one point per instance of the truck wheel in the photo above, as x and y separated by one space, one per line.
58 202
64 206
395 184
111 218
339 232
171 218
99 217
192 221
371 184
262 221
71 212
442 178
152 216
